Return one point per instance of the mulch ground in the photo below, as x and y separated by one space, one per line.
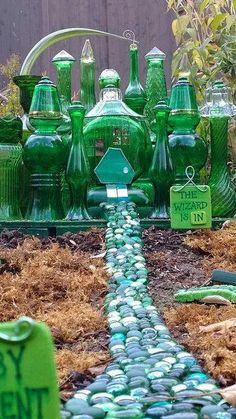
57 281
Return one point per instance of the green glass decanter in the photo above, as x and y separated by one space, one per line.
78 171
161 171
10 166
135 96
44 154
186 147
87 77
219 110
155 85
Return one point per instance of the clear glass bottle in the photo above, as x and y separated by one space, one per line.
87 77
219 109
161 171
10 166
187 148
135 96
78 171
44 154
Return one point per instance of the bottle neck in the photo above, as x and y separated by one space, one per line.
134 77
161 126
77 127
64 81
87 84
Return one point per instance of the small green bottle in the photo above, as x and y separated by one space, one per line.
87 77
44 154
187 148
78 170
135 96
155 84
161 171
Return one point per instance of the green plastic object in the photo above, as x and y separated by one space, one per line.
155 84
219 111
161 171
114 168
87 77
10 167
228 292
135 96
28 380
44 154
224 277
187 148
78 171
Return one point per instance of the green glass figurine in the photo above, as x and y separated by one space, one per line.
87 77
135 96
161 171
78 171
155 85
219 110
44 154
186 147
10 167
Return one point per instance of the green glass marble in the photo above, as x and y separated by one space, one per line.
78 170
187 148
87 77
135 96
161 171
44 154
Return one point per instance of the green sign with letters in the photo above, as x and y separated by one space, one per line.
28 384
190 207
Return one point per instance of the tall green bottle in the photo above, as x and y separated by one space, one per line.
135 96
44 154
87 77
161 171
219 110
155 85
187 148
78 170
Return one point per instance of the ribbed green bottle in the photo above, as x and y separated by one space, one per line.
87 77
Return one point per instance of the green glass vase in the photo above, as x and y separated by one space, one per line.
155 85
161 171
44 154
135 96
187 148
219 110
87 77
78 171
10 167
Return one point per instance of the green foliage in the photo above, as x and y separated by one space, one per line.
9 96
205 32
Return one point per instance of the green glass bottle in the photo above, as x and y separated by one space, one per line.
135 96
87 77
10 166
219 110
187 148
44 154
78 171
161 171
155 85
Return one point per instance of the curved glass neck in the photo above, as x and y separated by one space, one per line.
77 125
134 76
110 93
161 124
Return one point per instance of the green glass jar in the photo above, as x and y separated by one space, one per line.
78 171
10 167
87 77
44 154
187 148
135 96
161 171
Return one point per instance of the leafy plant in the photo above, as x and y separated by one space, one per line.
9 96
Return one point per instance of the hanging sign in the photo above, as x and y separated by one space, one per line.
190 204
28 384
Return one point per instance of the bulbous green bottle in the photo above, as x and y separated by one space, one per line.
186 147
10 167
135 96
161 171
87 77
78 171
219 110
44 154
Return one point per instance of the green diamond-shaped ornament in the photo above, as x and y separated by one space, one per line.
114 168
